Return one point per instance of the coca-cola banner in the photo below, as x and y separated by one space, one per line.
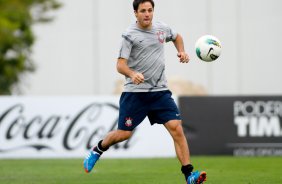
233 125
44 127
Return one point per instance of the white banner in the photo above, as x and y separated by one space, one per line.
64 127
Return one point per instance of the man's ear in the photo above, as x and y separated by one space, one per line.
135 12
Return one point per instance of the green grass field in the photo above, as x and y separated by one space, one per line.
220 170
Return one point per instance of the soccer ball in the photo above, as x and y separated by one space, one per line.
208 48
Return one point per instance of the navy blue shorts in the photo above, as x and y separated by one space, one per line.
135 106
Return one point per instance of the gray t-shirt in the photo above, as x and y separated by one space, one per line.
144 51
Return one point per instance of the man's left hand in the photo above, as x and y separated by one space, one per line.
183 57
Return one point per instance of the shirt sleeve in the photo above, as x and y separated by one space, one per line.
170 33
171 36
125 46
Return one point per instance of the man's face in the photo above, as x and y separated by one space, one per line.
144 15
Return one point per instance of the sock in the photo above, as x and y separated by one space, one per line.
99 148
186 170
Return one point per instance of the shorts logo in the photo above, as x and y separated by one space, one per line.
128 122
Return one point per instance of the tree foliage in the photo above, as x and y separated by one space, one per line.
17 38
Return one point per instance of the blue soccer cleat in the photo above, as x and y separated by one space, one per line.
90 161
197 177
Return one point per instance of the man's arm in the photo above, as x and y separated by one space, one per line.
123 69
179 45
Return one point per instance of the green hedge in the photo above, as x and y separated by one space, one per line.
17 38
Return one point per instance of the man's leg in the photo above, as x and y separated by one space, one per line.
103 145
175 129
114 137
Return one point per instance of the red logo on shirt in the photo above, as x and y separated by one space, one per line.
161 36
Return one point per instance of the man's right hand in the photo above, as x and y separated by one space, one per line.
137 78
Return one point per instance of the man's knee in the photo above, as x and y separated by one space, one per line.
175 128
123 135
174 125
116 136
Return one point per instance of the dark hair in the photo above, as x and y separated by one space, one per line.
137 2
